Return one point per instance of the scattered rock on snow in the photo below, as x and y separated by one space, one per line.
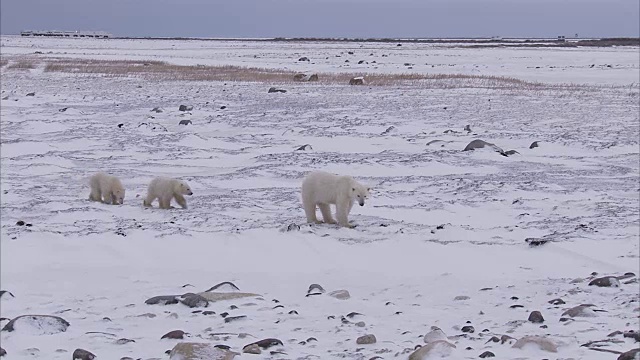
391 129
199 351
185 122
479 144
81 354
538 341
357 81
3 352
468 329
42 324
226 286
580 311
234 318
487 354
461 298
185 107
340 294
435 334
533 145
194 300
436 349
510 152
31 94
366 339
536 317
175 334
630 355
633 335
162 300
315 288
304 147
157 110
252 349
5 292
606 281
267 343
276 90
556 302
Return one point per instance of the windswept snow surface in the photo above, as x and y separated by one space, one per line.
441 223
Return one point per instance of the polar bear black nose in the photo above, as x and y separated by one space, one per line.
362 203
190 193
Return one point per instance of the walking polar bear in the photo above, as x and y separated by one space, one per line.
164 189
106 189
322 189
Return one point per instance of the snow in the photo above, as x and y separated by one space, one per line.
440 223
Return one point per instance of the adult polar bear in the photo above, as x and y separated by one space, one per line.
164 189
322 189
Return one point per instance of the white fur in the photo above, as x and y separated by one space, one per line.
321 189
164 189
106 189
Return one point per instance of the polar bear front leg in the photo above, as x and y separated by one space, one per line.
147 202
181 200
325 209
106 197
95 194
164 202
342 213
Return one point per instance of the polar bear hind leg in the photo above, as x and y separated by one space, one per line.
107 196
325 209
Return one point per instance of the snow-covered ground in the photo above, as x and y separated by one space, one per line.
441 242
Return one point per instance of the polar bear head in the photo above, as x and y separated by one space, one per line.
360 193
182 188
117 197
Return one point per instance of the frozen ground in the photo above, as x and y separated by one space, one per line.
441 223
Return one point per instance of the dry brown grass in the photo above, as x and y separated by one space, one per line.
3 62
22 64
157 70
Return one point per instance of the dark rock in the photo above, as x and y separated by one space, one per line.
505 339
185 122
20 223
293 312
208 312
123 341
487 354
45 324
606 281
185 108
3 352
120 125
313 77
156 110
304 58
293 227
31 94
234 318
516 306
510 152
533 145
615 333
3 292
536 317
360 62
479 144
353 314
494 339
633 335
468 329
252 349
163 300
356 81
304 147
63 109
366 339
630 355
175 334
223 347
81 354
266 343
276 90
225 286
535 242
194 300
556 302
314 288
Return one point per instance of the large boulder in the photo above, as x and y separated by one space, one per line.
40 324
199 351
357 81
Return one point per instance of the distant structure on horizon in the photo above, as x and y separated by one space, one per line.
68 34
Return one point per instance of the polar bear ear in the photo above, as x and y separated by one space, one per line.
369 189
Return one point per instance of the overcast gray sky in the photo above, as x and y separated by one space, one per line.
327 18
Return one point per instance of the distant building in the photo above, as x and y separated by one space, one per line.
67 34
561 38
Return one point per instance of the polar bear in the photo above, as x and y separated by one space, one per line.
106 189
164 189
321 189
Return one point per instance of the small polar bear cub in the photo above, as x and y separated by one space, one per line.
164 189
321 189
106 189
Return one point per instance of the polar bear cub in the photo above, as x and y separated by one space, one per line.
106 189
321 189
164 189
